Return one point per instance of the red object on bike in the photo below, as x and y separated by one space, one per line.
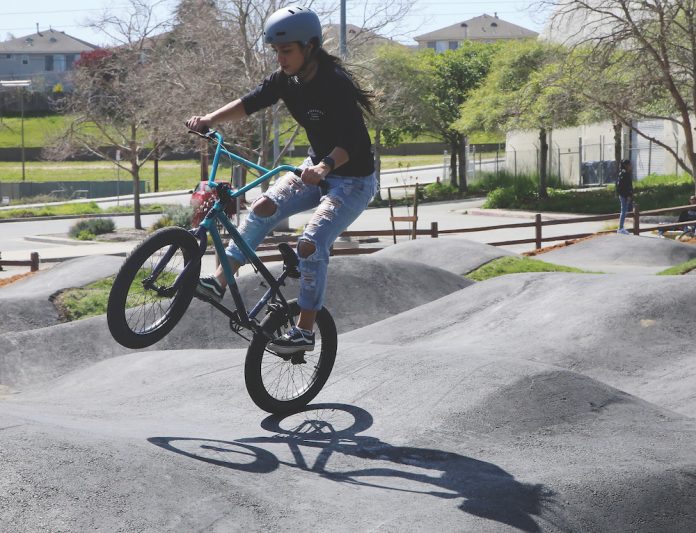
203 199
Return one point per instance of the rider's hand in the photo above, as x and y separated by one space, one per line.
199 124
314 174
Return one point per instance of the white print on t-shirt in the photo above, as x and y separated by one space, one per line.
315 114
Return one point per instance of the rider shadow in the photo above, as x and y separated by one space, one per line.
488 491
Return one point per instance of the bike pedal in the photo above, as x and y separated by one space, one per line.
298 358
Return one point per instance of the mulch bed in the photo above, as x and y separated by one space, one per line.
557 246
16 277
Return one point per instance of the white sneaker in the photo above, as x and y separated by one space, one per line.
623 231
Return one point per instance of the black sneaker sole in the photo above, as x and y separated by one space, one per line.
289 350
206 295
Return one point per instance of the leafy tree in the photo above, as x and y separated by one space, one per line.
524 90
445 81
638 61
393 76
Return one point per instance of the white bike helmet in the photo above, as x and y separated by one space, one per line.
290 24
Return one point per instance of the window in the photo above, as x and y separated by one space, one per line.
441 46
453 45
8 56
25 60
431 44
48 64
69 61
59 62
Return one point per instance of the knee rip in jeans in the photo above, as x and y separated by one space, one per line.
305 248
264 207
325 211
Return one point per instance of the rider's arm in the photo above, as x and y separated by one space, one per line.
230 112
340 157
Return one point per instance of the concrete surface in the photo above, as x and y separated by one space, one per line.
530 402
622 253
378 289
453 253
26 304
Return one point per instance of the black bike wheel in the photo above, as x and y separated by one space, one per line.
282 383
141 311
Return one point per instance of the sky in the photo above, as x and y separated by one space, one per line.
425 16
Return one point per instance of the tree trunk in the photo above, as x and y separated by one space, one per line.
135 172
463 186
618 148
378 162
263 159
543 158
204 159
454 148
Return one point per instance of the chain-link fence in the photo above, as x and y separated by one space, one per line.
584 160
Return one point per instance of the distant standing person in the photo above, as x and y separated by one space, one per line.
624 188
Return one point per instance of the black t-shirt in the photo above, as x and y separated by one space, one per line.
327 108
624 183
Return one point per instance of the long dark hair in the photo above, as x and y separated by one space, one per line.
363 96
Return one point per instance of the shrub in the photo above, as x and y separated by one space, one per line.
85 235
92 226
174 215
434 192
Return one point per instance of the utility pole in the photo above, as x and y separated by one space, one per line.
20 84
342 34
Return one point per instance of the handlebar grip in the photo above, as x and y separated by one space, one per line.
297 172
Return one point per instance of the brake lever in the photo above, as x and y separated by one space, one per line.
206 135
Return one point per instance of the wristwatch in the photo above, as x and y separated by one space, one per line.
329 161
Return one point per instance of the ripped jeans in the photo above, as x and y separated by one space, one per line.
346 198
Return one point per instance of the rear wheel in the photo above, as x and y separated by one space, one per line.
286 383
144 306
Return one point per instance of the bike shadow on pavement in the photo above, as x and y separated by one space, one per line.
488 491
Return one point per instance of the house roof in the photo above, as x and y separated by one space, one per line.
484 27
46 42
354 35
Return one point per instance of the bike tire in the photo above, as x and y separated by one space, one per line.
138 316
277 384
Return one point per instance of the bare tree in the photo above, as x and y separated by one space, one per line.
635 59
110 103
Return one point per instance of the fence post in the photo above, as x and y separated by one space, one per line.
537 227
1 269
580 161
433 230
636 219
34 261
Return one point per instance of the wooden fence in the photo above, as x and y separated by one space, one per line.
271 243
537 226
33 262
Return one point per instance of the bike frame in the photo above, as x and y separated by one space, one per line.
241 316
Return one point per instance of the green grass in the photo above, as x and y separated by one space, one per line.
91 300
173 175
37 130
681 268
516 265
89 208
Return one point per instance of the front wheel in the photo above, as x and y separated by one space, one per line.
283 383
153 288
